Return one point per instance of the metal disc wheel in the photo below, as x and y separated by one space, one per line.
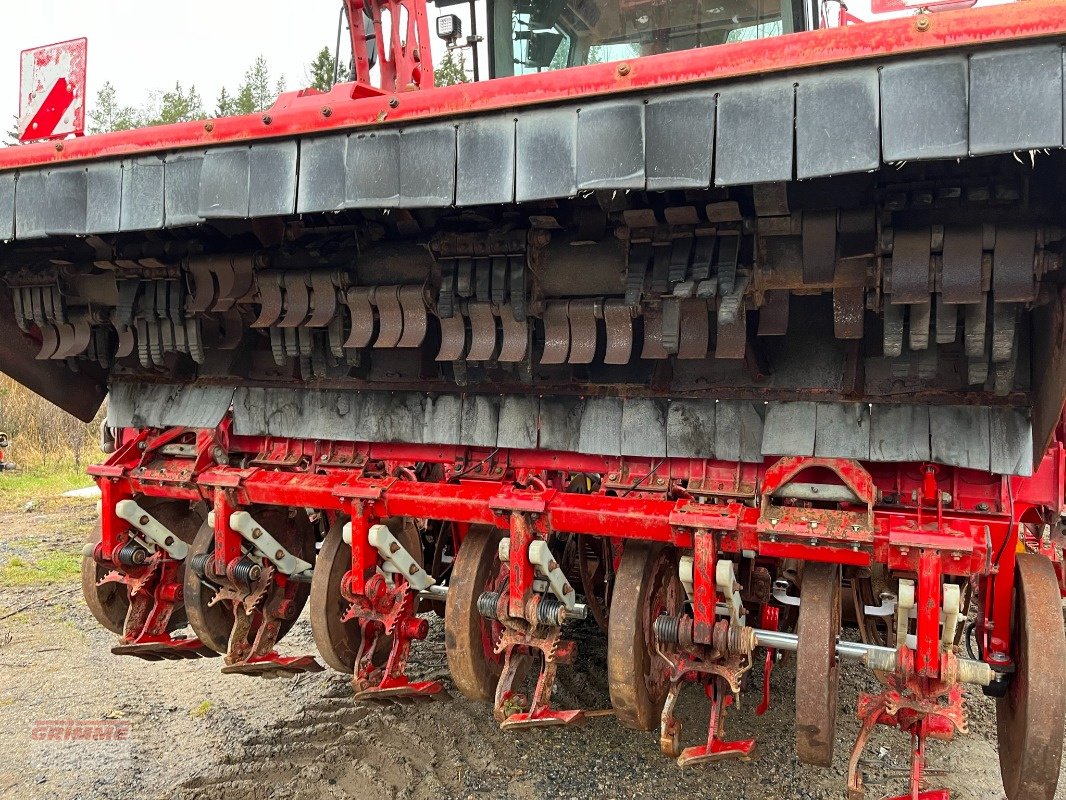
817 674
337 641
468 636
212 624
110 602
647 586
1030 717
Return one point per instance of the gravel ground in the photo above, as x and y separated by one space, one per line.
195 733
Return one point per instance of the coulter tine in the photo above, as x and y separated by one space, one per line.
482 332
358 302
556 333
390 316
415 319
582 315
452 338
618 318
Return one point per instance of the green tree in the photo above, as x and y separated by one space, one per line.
178 105
451 70
12 136
107 114
320 71
224 107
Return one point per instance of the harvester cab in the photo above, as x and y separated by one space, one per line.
696 321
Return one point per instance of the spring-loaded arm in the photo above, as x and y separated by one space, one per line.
406 62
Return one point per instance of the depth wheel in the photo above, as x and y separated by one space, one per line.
647 586
212 623
1029 719
468 636
817 674
110 602
337 641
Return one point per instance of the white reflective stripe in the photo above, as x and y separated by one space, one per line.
154 531
266 545
541 558
394 554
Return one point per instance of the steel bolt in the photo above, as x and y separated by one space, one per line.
922 22
257 533
279 555
143 520
393 102
566 588
209 127
624 69
327 112
394 547
59 147
552 566
982 506
267 119
168 541
413 570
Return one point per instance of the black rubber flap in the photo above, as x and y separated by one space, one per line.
680 140
545 154
181 188
610 145
1016 99
427 166
924 111
224 183
754 133
142 194
322 174
7 206
838 123
272 179
373 179
485 164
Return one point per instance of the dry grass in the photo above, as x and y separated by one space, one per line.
44 438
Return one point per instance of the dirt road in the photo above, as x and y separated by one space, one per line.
194 733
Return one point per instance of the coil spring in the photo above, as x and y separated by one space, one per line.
667 629
198 563
487 604
734 639
132 554
550 611
246 571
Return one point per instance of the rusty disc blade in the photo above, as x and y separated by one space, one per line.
817 674
1030 717
212 623
338 641
110 602
647 586
468 636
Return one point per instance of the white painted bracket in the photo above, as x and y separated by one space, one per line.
152 531
266 545
684 572
504 549
394 555
541 558
725 578
904 604
949 614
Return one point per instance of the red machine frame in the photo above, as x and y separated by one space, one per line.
977 536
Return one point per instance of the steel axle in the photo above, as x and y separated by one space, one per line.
882 659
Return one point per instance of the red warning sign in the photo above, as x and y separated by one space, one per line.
52 91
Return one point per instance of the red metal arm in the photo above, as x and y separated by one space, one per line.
406 63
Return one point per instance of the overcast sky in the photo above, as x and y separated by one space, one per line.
141 45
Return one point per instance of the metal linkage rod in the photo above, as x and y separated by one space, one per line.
882 659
